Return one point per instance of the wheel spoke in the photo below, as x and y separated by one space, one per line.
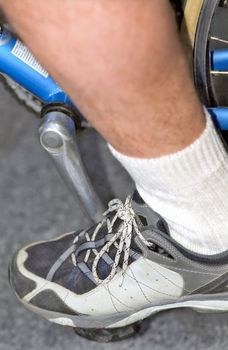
217 72
219 39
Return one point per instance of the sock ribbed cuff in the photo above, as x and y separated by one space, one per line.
182 170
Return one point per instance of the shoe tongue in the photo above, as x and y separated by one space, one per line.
147 215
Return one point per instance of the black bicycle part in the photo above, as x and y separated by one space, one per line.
110 335
178 7
219 40
72 112
202 57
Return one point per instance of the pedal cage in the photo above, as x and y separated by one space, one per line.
109 335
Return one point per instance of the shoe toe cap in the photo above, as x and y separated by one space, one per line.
21 284
45 300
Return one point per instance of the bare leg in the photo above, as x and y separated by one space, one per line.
122 64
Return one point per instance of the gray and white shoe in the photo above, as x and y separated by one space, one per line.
118 272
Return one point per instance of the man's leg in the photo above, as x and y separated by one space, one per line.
122 63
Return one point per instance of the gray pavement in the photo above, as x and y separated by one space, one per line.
36 205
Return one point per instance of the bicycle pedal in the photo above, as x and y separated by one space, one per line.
109 335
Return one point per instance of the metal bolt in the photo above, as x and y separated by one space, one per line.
52 140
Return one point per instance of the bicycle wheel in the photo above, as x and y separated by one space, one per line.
204 26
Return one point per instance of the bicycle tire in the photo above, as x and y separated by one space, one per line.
198 15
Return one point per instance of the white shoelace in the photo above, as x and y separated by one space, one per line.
124 212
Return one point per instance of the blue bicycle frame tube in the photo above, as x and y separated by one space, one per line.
219 60
17 62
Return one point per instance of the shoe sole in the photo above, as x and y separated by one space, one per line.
117 321
210 303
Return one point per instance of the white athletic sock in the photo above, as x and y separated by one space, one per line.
189 189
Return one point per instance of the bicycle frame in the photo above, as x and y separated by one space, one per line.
18 63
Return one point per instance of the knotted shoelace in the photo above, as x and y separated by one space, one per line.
121 238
